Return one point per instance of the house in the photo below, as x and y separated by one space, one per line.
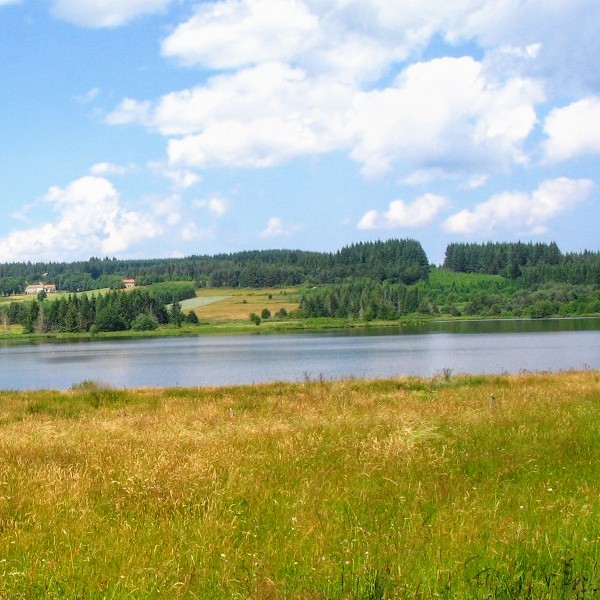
36 288
128 282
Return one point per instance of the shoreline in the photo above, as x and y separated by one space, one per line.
270 327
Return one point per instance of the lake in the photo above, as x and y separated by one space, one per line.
206 360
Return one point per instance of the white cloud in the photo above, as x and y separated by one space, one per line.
403 215
527 213
573 130
237 33
260 91
440 114
277 228
258 117
443 113
6 2
301 83
216 205
556 42
182 179
354 40
106 13
106 168
362 39
90 219
295 78
476 181
131 111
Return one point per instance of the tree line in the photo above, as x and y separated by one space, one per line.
373 280
488 296
532 264
77 313
361 299
392 260
395 261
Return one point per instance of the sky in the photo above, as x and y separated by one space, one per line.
166 128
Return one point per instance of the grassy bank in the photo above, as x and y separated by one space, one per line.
390 489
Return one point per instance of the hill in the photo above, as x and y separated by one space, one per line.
397 260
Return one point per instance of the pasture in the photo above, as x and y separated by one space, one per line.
236 304
452 487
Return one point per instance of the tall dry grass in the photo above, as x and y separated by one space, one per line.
384 489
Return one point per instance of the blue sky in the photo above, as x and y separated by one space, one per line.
159 128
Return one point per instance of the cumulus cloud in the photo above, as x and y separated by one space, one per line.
107 168
306 84
232 34
182 179
106 13
289 78
573 130
443 112
362 39
89 219
529 212
131 111
403 215
562 39
356 40
277 228
216 205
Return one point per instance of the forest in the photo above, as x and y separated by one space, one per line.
384 280
522 280
138 310
400 260
446 294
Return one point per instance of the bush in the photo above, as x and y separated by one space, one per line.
144 322
191 318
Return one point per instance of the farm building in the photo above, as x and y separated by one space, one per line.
36 288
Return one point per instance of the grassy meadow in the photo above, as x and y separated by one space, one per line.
237 303
450 487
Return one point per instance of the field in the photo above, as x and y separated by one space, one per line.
452 487
232 304
220 310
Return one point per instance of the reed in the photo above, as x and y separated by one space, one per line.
407 488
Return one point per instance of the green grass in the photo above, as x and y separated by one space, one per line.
407 488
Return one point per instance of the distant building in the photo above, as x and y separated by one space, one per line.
36 288
128 282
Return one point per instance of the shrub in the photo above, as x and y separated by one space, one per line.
192 318
144 322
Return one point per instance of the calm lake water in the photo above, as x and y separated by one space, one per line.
473 347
